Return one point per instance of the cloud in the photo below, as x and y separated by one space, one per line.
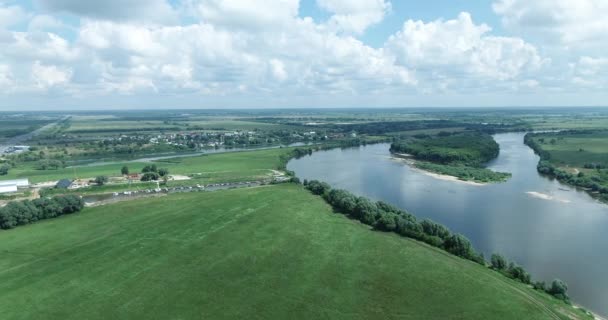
6 77
10 15
567 22
591 72
303 58
264 51
355 15
45 23
49 76
147 11
461 49
256 14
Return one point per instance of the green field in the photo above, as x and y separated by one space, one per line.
222 167
92 124
579 158
268 253
576 149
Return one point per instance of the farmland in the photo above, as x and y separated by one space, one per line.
225 167
273 252
579 158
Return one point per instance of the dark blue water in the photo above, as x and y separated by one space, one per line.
551 229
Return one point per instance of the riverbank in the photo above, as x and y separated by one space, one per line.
575 158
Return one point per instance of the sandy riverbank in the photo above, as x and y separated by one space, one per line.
406 158
544 196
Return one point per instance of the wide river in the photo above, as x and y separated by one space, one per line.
553 230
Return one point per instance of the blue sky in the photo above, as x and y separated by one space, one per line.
308 53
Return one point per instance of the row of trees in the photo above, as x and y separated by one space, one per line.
19 213
558 288
385 217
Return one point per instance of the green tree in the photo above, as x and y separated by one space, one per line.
458 245
559 289
149 176
386 222
4 169
101 180
163 172
124 170
498 262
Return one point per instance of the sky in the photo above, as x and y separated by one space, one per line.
123 54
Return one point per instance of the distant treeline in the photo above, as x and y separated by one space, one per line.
378 128
305 151
18 213
547 168
125 129
385 217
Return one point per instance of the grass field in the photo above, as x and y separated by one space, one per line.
83 124
223 167
576 150
266 253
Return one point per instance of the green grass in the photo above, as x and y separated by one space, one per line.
100 125
223 167
267 253
576 150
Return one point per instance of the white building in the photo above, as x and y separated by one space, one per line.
21 183
9 188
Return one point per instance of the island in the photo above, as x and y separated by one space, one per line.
460 155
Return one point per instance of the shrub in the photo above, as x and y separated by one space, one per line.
18 213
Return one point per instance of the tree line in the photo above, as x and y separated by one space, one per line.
388 218
18 213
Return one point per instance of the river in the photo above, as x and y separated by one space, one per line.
551 229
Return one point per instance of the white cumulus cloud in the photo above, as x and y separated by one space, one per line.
580 22
49 76
461 48
355 15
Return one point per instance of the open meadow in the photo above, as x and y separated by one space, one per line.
223 167
271 252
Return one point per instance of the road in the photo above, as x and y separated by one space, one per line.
18 140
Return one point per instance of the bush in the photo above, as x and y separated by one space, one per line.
150 176
559 289
498 262
18 213
386 222
4 169
101 180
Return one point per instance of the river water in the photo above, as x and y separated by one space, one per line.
551 229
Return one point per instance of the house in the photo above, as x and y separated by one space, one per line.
63 184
